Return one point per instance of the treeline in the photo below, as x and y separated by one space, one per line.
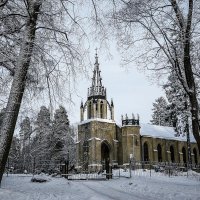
45 143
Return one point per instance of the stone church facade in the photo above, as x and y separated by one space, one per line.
101 141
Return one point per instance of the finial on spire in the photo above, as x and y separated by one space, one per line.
96 51
96 57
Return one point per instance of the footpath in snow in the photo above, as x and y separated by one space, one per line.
139 186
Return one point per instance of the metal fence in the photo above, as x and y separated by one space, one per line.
163 169
59 168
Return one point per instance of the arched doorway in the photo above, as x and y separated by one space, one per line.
159 149
146 152
105 154
195 156
172 154
184 155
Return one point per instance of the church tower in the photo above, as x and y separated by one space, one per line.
97 105
97 144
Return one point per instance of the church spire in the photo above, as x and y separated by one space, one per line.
97 89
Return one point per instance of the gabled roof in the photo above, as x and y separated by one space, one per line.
163 132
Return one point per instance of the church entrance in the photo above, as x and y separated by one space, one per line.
105 154
105 157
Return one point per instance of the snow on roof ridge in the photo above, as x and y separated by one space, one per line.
97 119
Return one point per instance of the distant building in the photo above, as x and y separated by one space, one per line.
103 142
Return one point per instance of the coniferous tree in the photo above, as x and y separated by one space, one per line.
64 146
25 133
13 164
160 112
178 103
41 144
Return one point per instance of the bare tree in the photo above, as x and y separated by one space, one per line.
36 36
166 34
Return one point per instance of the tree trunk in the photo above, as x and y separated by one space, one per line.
18 84
192 93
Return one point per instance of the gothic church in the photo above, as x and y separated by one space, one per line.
101 141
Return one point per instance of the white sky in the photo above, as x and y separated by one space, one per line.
131 90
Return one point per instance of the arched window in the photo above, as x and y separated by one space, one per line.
159 149
101 109
89 110
184 155
172 154
195 156
146 152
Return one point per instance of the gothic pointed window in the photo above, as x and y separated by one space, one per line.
184 155
146 152
195 156
172 153
159 149
101 109
89 110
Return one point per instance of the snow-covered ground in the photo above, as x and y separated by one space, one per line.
139 186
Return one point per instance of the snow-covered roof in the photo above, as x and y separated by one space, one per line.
162 132
96 138
97 119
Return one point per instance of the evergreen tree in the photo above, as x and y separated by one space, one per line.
25 133
64 146
161 114
178 103
41 146
13 163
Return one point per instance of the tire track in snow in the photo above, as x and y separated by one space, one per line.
112 193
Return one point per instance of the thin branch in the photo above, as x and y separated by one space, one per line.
55 30
3 3
95 10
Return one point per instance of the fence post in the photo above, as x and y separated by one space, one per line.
67 163
130 168
150 168
65 169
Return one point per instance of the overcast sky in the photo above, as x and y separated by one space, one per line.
131 90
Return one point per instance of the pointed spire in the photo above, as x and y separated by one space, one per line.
81 103
112 104
96 57
97 89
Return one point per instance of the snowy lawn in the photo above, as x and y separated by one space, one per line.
140 186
